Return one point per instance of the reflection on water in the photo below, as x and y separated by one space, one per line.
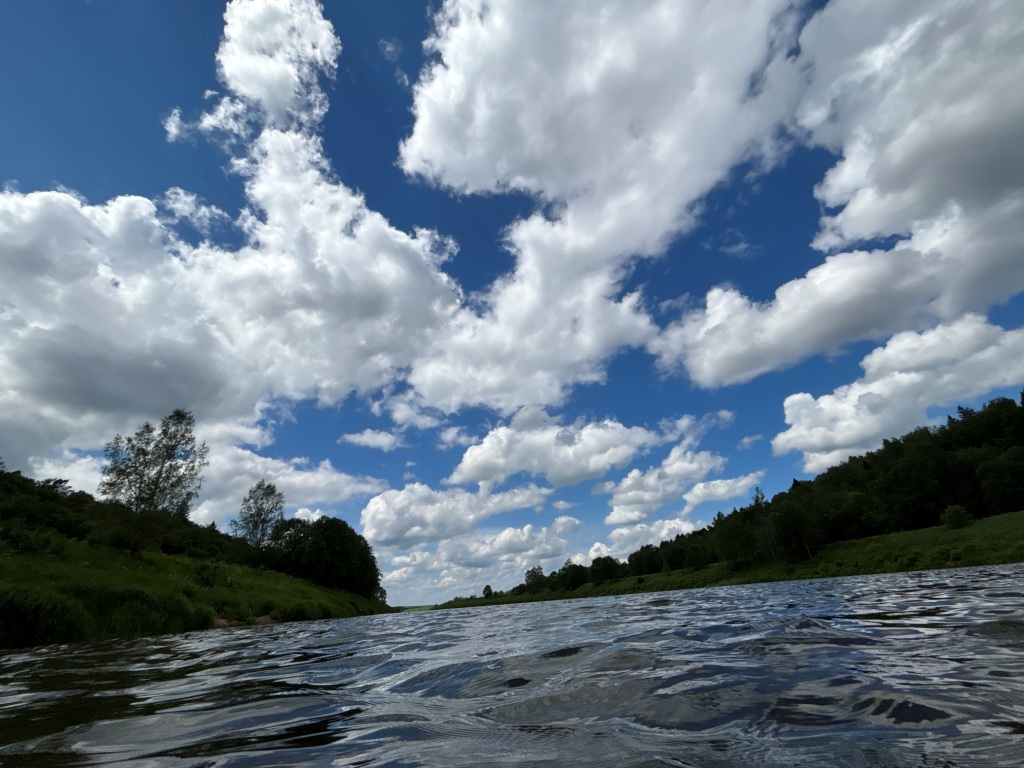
923 669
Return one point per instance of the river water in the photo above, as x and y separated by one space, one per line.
921 669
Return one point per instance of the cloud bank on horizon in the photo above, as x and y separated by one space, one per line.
610 379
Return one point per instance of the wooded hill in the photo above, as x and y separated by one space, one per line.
73 567
971 467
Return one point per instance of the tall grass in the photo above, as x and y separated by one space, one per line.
75 591
30 617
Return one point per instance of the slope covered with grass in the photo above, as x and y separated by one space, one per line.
68 591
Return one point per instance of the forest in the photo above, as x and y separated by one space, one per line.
971 467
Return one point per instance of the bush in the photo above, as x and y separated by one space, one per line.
955 516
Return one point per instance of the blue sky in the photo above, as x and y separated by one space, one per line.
510 285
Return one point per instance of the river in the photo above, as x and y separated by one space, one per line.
915 670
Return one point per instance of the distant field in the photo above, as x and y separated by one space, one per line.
76 592
991 541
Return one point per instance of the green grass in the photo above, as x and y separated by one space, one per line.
991 541
69 591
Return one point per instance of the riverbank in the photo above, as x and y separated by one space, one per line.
991 541
73 592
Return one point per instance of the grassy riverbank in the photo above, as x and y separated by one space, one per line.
72 591
991 541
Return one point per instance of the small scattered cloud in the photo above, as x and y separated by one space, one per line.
174 126
720 490
731 242
186 206
390 48
373 438
747 442
450 437
309 515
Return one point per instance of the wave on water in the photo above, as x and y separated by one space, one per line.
902 670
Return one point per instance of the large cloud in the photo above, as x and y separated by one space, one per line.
621 120
539 444
922 104
418 513
233 470
949 363
107 317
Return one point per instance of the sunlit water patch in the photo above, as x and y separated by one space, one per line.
915 670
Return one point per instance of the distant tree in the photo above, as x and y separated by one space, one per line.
955 516
488 592
262 509
535 579
156 470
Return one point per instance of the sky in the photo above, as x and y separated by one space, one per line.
505 284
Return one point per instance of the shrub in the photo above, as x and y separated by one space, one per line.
955 516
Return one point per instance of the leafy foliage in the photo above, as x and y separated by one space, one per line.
956 516
328 552
156 470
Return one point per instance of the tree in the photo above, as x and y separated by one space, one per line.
535 579
328 552
262 509
156 470
488 592
605 568
572 575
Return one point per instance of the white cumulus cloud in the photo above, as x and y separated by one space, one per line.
921 105
418 513
374 438
537 443
621 120
913 371
109 318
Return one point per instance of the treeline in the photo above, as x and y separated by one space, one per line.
39 516
150 480
970 467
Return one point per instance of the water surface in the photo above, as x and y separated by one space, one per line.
922 669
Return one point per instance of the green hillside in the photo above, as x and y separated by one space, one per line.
74 568
73 591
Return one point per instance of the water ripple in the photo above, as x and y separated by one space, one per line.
910 671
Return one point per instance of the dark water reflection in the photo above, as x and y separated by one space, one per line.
923 669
